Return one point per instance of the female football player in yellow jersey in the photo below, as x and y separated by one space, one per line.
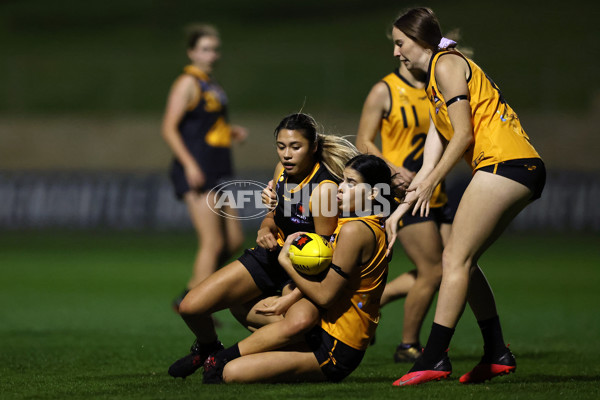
470 119
349 293
196 129
397 107
311 165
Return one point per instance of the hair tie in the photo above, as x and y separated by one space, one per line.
445 43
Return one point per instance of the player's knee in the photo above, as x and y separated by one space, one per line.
189 307
453 260
431 272
235 244
300 323
231 373
214 244
185 309
433 276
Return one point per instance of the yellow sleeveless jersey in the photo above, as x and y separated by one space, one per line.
404 129
498 133
355 315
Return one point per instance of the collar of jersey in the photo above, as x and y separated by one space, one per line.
304 181
195 71
403 79
352 215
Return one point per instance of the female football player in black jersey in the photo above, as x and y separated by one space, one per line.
197 130
306 178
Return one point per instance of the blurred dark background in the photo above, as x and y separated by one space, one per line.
84 86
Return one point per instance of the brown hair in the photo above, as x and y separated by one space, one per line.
422 26
197 31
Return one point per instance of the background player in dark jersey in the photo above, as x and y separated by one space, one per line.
349 294
311 165
397 108
472 120
196 128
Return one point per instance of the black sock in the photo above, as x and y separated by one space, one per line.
206 348
230 353
437 344
493 342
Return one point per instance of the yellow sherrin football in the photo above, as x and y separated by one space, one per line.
310 253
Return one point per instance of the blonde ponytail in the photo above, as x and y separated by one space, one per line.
334 152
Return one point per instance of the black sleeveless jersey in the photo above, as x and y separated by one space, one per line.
205 129
293 211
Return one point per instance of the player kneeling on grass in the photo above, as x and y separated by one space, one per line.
349 293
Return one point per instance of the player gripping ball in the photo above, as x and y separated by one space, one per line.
310 254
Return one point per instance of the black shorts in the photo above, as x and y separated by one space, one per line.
530 172
269 276
337 359
439 215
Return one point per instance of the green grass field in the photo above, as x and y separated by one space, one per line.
87 316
